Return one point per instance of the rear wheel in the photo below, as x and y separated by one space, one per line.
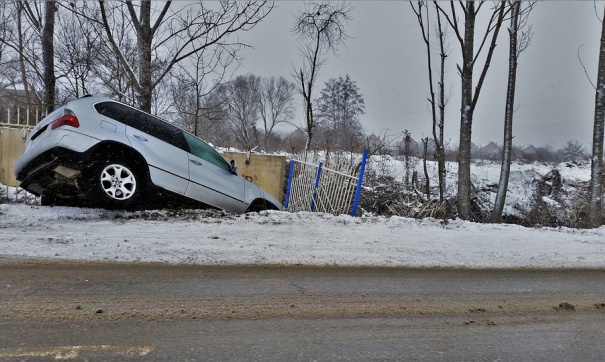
114 184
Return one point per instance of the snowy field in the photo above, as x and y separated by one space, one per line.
214 238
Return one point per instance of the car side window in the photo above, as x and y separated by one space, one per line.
203 150
119 112
166 132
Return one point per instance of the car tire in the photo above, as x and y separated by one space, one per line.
115 185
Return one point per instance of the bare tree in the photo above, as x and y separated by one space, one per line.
573 151
166 35
28 38
240 102
78 44
320 27
192 83
465 33
518 42
41 17
596 161
276 99
438 117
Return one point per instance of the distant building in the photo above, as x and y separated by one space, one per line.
529 154
491 151
414 149
530 150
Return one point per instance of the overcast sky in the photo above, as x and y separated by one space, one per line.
386 57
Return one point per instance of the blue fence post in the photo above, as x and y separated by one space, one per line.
289 187
317 177
359 181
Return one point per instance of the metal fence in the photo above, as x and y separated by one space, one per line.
331 186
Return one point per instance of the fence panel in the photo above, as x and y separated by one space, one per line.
12 143
15 123
328 186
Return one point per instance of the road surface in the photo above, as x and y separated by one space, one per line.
112 311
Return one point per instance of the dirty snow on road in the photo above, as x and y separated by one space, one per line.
282 238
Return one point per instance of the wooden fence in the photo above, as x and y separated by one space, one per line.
14 127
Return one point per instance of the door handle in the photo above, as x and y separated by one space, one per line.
196 162
141 138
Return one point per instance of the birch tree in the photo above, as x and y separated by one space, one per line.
518 42
320 27
465 34
596 161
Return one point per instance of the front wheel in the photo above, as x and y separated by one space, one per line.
114 185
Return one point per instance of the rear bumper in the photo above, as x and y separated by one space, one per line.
40 173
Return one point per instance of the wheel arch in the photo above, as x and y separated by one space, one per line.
110 150
260 204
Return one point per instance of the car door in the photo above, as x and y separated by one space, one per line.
162 146
210 178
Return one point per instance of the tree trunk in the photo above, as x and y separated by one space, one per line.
48 56
427 182
508 114
24 79
596 170
144 38
466 115
440 148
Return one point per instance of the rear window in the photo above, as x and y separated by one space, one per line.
117 111
143 122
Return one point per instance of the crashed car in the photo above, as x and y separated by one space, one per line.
100 152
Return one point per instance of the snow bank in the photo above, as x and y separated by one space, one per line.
213 238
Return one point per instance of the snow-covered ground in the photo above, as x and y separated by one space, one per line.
486 175
212 238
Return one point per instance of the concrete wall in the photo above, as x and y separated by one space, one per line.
265 171
12 143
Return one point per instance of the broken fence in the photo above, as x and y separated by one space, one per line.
332 186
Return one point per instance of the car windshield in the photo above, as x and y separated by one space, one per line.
202 150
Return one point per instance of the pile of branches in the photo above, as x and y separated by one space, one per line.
384 196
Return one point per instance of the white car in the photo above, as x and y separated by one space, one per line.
100 152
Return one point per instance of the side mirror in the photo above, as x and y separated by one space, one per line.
233 167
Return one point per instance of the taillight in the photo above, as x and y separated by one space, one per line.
67 119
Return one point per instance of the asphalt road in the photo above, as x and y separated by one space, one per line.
149 312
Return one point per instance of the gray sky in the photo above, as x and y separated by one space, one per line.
386 57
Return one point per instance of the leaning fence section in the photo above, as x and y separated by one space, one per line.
330 186
15 124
